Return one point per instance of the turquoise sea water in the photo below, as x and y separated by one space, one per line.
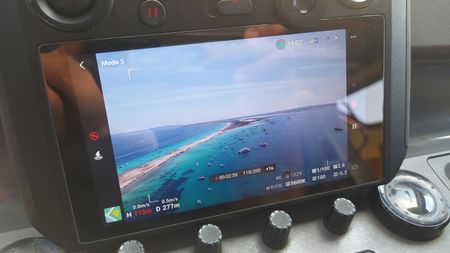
296 141
151 144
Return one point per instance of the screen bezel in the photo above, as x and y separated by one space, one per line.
81 186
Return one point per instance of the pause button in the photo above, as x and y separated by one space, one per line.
152 13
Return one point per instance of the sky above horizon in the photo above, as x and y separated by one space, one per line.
188 84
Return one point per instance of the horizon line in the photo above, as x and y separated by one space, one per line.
213 121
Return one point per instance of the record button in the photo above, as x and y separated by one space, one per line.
152 13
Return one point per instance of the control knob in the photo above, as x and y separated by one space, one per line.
340 217
131 246
276 231
412 206
72 15
209 239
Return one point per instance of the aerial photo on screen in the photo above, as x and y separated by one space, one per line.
199 125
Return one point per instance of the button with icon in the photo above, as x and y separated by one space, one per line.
113 214
152 13
98 156
94 136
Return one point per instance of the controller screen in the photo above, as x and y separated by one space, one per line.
199 125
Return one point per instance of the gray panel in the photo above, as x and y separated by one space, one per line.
430 106
430 22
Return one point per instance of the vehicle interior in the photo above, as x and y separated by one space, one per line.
224 126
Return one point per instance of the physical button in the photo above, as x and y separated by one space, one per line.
234 7
276 232
340 216
153 13
131 246
412 206
209 239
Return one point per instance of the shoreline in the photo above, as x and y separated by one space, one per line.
130 177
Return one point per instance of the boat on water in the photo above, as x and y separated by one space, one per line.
244 151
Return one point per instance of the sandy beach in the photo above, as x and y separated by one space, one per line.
129 177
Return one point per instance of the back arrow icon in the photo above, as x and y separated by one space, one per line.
81 65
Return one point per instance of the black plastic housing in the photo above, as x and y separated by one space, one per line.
26 114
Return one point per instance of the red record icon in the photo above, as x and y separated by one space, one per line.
94 136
